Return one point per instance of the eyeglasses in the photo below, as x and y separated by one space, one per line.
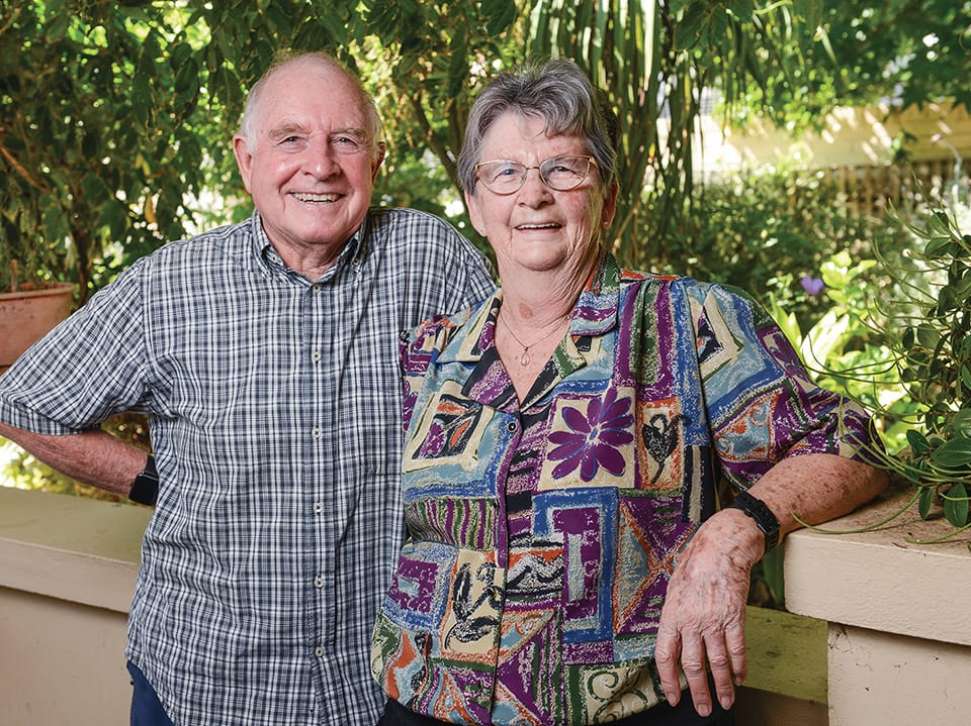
560 173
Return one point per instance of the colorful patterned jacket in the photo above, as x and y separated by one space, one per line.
541 534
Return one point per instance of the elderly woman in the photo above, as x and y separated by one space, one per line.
567 558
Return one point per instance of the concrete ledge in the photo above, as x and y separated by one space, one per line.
70 548
879 580
67 572
786 654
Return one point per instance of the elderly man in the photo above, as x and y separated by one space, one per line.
265 355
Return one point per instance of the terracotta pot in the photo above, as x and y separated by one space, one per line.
28 315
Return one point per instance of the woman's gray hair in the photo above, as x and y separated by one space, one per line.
559 93
247 125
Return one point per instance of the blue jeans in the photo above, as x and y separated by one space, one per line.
146 709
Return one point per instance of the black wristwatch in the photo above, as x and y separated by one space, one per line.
144 489
764 518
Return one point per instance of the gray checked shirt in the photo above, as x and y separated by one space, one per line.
275 418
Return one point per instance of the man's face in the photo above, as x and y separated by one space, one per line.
309 165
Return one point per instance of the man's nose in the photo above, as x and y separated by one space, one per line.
321 158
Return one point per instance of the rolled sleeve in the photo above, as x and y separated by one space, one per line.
91 366
762 404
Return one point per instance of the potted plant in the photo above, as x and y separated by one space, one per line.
30 306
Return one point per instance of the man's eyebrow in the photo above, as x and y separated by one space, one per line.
287 128
351 131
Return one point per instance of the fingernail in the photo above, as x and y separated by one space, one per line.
672 698
739 680
704 709
726 702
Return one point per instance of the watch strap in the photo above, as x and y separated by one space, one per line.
763 517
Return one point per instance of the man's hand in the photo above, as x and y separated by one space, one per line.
703 619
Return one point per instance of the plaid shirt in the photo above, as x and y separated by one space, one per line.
275 418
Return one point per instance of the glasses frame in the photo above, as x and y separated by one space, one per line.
591 162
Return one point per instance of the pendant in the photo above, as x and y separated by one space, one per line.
524 360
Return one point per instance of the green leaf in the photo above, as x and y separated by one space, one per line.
966 377
937 246
960 423
925 501
58 27
458 67
956 505
500 14
954 454
918 442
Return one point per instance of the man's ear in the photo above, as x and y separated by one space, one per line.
244 159
475 214
378 160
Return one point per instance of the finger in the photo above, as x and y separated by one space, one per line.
721 667
735 639
666 654
693 665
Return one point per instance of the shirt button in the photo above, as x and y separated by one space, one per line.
316 289
319 581
319 651
315 432
315 356
318 507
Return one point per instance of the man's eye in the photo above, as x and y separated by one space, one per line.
347 141
289 140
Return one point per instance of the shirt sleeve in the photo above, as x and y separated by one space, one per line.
88 368
762 405
470 279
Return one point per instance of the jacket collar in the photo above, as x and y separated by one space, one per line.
594 315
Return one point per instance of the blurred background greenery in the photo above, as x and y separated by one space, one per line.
795 148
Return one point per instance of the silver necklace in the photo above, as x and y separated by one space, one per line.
524 359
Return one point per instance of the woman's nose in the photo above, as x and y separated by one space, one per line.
534 193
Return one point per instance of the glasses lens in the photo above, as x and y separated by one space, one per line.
502 177
565 172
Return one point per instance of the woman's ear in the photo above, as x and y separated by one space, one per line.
475 213
610 206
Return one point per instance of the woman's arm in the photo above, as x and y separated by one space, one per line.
703 619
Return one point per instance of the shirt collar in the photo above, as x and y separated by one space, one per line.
354 251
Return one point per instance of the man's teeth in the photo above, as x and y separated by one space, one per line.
548 225
317 197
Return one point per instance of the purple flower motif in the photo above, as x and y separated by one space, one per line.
591 442
812 285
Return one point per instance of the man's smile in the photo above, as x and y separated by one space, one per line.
327 198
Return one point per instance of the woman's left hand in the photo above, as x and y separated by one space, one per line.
703 619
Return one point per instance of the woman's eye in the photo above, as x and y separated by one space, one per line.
506 171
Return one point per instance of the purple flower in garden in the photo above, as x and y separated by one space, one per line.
812 285
591 442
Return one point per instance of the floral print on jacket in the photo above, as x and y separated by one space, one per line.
542 533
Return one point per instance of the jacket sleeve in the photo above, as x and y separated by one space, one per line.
761 403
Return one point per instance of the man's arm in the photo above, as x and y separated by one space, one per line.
93 457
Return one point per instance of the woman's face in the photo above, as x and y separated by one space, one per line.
537 228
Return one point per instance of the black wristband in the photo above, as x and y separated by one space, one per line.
144 489
764 519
